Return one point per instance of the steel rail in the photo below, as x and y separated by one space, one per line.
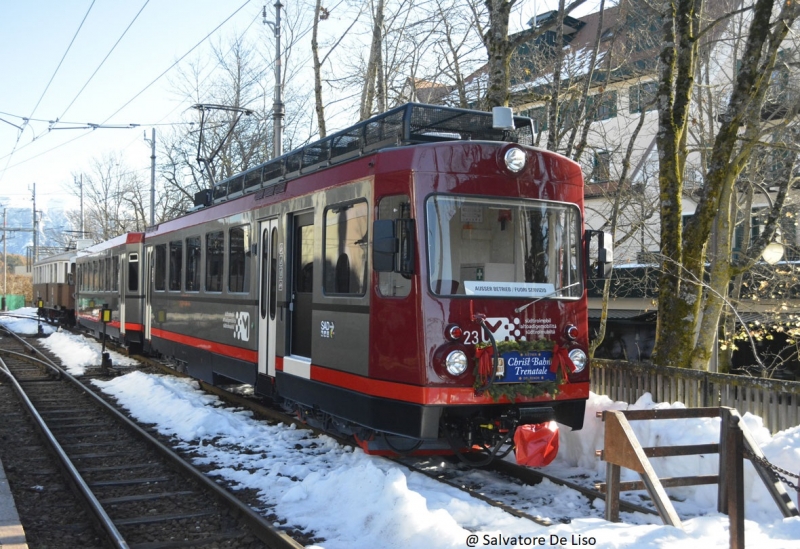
27 345
47 362
73 476
273 537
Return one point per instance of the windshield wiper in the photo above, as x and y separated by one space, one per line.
538 299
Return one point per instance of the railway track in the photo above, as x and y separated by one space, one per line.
132 489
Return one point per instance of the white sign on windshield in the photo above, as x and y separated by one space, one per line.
506 289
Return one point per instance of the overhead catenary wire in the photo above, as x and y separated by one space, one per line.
47 87
135 17
101 124
62 59
157 78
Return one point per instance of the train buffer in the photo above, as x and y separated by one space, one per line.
622 449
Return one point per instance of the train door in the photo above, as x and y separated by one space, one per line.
147 279
268 265
302 284
121 293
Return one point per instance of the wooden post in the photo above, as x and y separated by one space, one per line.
722 487
734 460
612 492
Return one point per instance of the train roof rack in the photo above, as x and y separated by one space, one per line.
409 124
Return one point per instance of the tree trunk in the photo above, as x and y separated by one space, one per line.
320 107
675 326
368 93
499 53
685 251
553 136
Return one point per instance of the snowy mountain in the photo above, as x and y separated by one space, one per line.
54 229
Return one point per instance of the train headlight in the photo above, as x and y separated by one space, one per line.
456 363
578 358
515 159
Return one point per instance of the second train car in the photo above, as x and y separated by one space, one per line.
109 276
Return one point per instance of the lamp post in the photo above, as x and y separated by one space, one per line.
152 143
278 109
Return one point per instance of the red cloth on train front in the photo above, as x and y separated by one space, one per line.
537 444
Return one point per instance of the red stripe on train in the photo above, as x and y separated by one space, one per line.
132 326
437 396
219 348
430 395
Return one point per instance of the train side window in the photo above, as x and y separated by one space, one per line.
394 284
161 267
115 279
175 265
344 270
95 277
193 264
107 281
215 255
133 272
304 267
102 286
273 294
239 259
264 266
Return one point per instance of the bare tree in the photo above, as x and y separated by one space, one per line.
229 141
322 14
110 192
500 47
373 83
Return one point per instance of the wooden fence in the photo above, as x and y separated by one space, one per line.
777 402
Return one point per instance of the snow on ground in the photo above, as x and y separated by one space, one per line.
351 500
76 352
24 322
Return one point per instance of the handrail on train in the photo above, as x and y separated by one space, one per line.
409 124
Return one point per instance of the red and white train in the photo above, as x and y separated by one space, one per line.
416 279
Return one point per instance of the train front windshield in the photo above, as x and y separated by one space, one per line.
505 248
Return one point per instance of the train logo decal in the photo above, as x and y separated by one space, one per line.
326 329
242 329
504 329
514 329
239 322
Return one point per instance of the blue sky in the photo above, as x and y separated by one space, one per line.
34 37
